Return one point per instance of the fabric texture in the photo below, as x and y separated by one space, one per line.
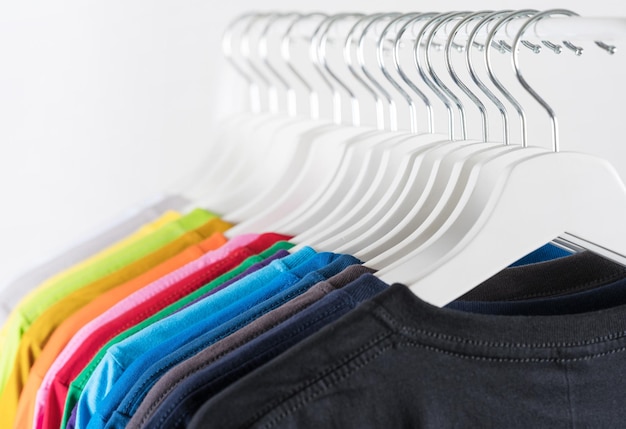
138 380
547 252
565 275
36 302
186 284
217 308
397 361
36 337
187 368
181 405
76 329
104 237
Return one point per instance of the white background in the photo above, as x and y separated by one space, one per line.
103 104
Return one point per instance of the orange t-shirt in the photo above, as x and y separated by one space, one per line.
66 330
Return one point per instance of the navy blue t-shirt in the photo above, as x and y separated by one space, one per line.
180 406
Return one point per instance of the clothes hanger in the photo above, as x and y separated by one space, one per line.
379 198
378 168
352 177
417 167
322 162
272 142
356 176
234 132
336 143
254 177
320 202
349 223
533 201
452 181
225 147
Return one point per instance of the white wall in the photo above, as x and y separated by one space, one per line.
102 104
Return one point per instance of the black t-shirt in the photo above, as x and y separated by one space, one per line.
398 362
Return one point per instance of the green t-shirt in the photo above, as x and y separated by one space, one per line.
36 302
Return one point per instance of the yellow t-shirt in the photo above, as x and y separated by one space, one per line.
31 347
101 265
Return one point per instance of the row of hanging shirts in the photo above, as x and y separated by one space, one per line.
439 212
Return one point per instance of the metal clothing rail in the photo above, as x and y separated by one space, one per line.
573 28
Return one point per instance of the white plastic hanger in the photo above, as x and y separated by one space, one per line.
454 178
320 202
356 173
384 176
317 174
517 209
322 162
334 209
387 180
271 153
235 132
415 167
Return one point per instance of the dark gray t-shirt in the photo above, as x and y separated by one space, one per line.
398 362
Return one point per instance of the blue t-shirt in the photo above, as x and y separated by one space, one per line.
545 253
147 369
123 354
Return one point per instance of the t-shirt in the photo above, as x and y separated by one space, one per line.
397 361
77 253
547 252
586 301
566 275
127 397
204 358
91 385
73 334
179 407
216 308
36 337
179 286
39 300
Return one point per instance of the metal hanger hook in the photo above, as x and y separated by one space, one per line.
254 90
507 94
393 120
286 54
479 104
532 21
518 72
433 18
263 53
321 52
404 76
396 64
429 43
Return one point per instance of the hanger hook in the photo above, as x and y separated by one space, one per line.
443 20
531 21
479 104
471 41
227 48
246 53
254 90
393 120
405 78
396 63
493 77
321 50
380 113
319 63
286 54
263 53
433 18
